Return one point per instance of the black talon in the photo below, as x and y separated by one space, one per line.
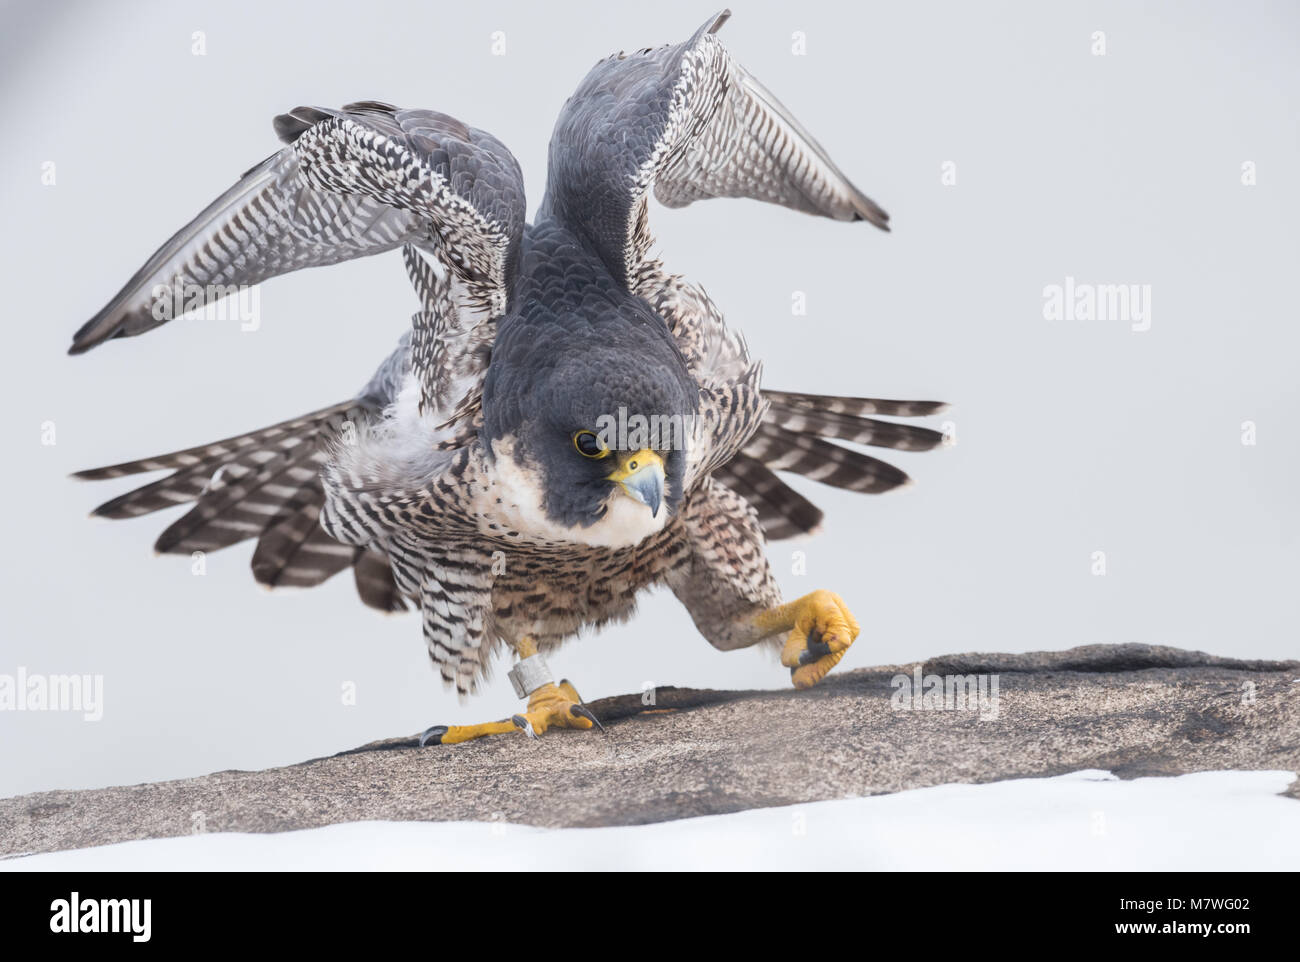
582 711
815 650
433 734
524 724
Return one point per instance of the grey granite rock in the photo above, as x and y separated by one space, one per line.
1133 709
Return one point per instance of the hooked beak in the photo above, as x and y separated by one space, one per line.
642 476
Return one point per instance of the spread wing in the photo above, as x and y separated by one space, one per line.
691 123
351 182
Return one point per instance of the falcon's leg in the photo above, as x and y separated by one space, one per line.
549 705
727 586
821 628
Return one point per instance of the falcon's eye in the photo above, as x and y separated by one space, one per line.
589 445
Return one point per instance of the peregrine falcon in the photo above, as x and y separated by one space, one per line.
566 422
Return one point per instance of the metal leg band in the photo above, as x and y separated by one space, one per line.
529 674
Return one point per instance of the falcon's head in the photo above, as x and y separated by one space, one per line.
588 423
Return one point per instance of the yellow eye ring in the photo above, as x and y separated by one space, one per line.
589 445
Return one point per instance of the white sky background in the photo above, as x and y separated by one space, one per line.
1073 437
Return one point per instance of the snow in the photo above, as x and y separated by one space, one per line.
1087 820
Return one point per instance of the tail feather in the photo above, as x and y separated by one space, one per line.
180 488
265 485
856 406
298 553
849 427
782 511
375 584
299 516
820 460
218 452
233 507
794 437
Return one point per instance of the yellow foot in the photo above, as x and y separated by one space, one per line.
551 706
822 629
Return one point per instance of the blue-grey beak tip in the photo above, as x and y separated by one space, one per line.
646 485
